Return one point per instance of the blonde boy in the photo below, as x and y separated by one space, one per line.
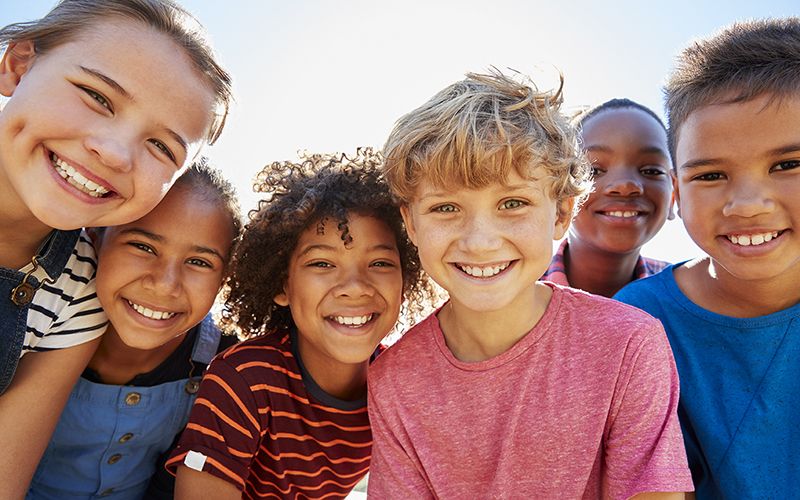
513 388
733 316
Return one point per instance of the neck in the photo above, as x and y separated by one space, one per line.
713 288
596 271
345 381
474 336
117 363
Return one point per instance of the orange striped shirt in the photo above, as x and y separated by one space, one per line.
268 428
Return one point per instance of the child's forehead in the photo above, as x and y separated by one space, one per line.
534 178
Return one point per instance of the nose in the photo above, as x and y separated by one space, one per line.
354 283
480 235
623 182
164 280
748 199
112 149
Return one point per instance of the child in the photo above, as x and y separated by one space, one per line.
109 100
626 144
733 316
157 278
528 390
318 281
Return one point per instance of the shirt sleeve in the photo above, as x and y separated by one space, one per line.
224 426
644 445
392 472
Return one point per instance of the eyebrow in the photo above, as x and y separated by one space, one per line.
789 148
779 151
644 150
161 239
331 248
127 95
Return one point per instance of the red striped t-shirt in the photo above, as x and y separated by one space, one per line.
265 426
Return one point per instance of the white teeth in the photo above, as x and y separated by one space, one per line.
74 177
484 272
624 214
747 240
149 313
353 320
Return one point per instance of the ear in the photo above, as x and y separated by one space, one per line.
282 299
675 201
17 60
563 217
408 220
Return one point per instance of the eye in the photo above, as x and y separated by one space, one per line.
444 208
383 263
786 165
199 263
709 177
512 204
163 148
100 98
651 171
597 171
143 247
320 264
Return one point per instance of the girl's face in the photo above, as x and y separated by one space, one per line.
344 298
158 276
97 129
632 186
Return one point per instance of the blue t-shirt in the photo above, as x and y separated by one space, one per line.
740 391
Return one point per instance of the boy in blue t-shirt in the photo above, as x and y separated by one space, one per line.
733 316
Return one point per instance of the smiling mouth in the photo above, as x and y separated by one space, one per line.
149 313
352 321
75 179
746 240
623 214
483 271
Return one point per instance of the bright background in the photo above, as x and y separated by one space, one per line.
331 76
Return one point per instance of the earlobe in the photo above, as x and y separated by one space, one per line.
563 217
408 221
17 60
281 299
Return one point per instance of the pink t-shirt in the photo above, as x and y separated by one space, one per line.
584 406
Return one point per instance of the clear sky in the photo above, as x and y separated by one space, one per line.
330 76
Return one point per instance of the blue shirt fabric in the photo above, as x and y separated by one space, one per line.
740 393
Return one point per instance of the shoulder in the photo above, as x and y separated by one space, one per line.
259 357
409 350
647 289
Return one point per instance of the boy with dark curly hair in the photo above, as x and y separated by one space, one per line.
317 282
733 315
530 389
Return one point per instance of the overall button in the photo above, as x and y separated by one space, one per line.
133 398
114 458
192 386
125 437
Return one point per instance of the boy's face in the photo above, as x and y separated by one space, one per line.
738 185
97 129
343 299
158 276
486 247
632 186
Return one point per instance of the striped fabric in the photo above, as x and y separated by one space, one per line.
557 273
67 312
266 427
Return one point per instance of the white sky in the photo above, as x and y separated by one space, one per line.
330 76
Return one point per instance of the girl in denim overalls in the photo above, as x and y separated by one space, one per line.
157 278
108 102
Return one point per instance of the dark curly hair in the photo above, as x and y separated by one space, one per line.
299 195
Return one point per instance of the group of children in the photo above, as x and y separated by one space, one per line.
529 381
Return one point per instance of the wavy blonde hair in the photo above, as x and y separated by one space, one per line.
474 132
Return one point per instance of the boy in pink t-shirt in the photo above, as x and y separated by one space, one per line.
513 388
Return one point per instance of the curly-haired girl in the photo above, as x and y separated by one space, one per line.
318 281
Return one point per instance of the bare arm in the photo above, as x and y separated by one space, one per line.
30 408
195 485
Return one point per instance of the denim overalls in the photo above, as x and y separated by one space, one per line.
51 260
110 437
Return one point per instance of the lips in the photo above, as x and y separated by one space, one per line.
753 239
77 180
483 271
151 313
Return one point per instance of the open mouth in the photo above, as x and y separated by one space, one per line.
352 321
150 313
623 214
747 240
75 179
483 271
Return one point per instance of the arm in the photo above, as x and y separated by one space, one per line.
192 485
30 408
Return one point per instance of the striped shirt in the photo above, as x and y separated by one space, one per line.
66 313
265 426
557 272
